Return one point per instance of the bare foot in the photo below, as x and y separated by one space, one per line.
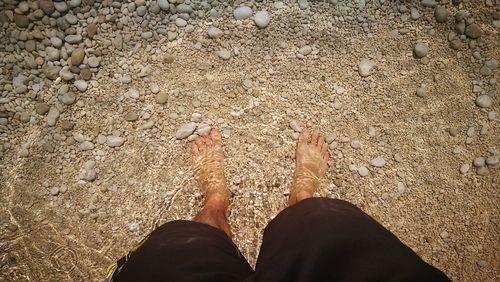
208 167
311 163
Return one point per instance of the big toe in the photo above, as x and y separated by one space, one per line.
216 136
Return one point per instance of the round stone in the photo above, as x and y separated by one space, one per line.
420 50
262 19
243 12
363 171
483 101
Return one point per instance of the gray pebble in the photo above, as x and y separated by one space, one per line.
180 22
429 3
56 42
114 141
163 4
88 172
421 91
52 116
294 125
161 97
441 14
363 171
154 88
378 162
71 19
473 31
479 162
464 168
73 38
68 98
81 85
242 12
184 9
54 191
483 171
262 19
148 124
93 62
401 187
492 160
366 67
185 130
305 50
86 145
224 54
214 32
483 101
420 50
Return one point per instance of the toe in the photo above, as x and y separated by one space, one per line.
314 138
207 138
321 141
304 135
216 136
324 151
200 144
194 149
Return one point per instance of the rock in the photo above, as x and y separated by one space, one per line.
214 32
47 6
441 14
86 74
420 50
224 54
303 4
294 125
52 116
30 45
114 141
141 11
262 19
61 6
52 54
366 67
88 172
163 4
155 89
91 30
56 42
118 42
180 22
81 85
93 62
131 116
243 12
66 75
21 20
401 187
491 64
68 98
73 38
492 160
456 44
184 9
67 125
355 144
473 31
77 57
414 13
363 171
71 19
460 27
483 101
148 124
479 162
429 3
41 108
482 263
482 171
86 146
154 8
185 130
444 234
162 98
464 168
378 162
305 50
421 91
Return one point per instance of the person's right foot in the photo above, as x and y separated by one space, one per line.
311 161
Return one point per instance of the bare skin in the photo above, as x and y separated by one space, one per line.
208 165
311 163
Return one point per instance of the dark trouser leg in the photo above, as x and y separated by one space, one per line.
320 239
184 251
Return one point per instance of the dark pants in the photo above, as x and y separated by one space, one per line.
317 239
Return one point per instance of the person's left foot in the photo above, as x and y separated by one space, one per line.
208 167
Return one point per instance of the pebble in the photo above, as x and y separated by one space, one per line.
429 3
479 162
88 173
421 91
441 14
366 67
52 54
52 72
54 191
214 32
21 20
93 62
68 98
483 171
242 12
355 144
184 9
91 30
81 85
401 187
305 50
86 146
482 263
71 19
77 56
41 108
47 6
262 19
483 101
303 4
464 168
180 22
73 38
131 116
363 171
420 50
162 98
66 75
473 31
163 4
148 124
114 141
294 125
154 88
52 116
492 160
378 162
224 54
185 130
444 234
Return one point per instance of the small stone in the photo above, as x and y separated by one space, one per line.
483 101
118 42
67 125
52 116
473 31
464 168
366 67
262 19
41 108
224 54
114 141
66 75
154 88
163 4
81 85
21 20
162 97
53 54
77 56
73 38
378 162
429 3
180 22
305 50
93 62
54 191
441 14
185 130
401 187
86 146
30 45
363 171
148 124
91 30
479 162
483 171
68 98
88 173
303 4
355 144
214 32
52 72
294 125
184 9
71 19
444 234
482 263
492 160
47 6
421 91
242 12
420 50
131 116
